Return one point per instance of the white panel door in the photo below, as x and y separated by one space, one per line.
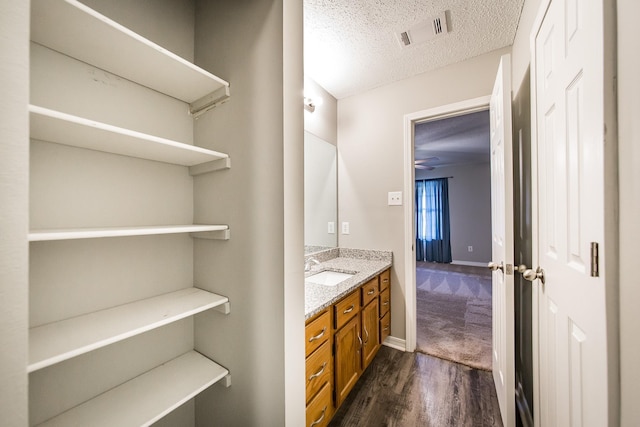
502 242
569 125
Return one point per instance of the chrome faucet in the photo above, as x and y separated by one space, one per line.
308 262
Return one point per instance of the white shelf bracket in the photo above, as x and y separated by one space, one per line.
212 166
210 101
223 308
226 381
213 235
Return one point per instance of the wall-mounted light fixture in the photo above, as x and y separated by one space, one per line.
309 105
311 101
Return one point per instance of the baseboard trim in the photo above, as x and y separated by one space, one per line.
471 263
397 343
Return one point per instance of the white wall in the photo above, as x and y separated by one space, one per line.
370 156
14 178
629 158
143 16
260 268
469 210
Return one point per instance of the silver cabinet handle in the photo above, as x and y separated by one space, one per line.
348 310
386 302
386 329
319 420
360 339
317 374
366 340
317 337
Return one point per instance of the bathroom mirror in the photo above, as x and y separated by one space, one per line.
320 194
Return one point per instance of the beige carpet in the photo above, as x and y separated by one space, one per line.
454 313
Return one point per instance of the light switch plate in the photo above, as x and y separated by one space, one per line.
331 227
345 228
395 198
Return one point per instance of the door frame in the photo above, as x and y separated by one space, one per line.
410 120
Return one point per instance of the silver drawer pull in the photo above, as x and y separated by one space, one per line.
317 337
348 310
386 329
319 420
385 280
371 292
386 302
320 372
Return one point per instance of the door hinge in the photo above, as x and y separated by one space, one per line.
595 260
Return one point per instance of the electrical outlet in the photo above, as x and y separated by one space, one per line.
395 198
470 248
331 227
345 228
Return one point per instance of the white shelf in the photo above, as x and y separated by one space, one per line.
91 233
54 342
147 398
76 30
61 128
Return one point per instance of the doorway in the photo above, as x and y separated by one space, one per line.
453 238
410 122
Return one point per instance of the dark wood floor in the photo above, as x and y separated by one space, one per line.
413 389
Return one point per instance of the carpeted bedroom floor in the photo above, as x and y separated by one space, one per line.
454 313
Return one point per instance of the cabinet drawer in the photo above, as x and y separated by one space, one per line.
369 291
317 332
384 280
348 307
318 369
385 327
319 409
385 301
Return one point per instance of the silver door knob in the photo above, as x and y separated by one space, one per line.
495 266
531 275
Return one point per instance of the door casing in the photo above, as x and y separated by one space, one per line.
410 120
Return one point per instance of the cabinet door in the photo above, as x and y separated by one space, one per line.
370 332
347 358
385 327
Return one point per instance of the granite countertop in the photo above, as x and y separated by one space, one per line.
363 264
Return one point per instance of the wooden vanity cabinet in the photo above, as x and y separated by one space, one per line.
358 324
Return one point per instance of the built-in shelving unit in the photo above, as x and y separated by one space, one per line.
54 342
80 32
93 233
55 126
73 29
147 398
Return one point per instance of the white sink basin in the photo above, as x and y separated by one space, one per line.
328 278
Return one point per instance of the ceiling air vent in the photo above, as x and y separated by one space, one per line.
431 28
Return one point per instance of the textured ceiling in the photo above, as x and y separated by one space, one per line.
350 45
454 141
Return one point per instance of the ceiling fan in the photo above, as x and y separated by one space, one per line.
420 163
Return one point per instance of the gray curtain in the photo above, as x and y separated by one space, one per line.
433 228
